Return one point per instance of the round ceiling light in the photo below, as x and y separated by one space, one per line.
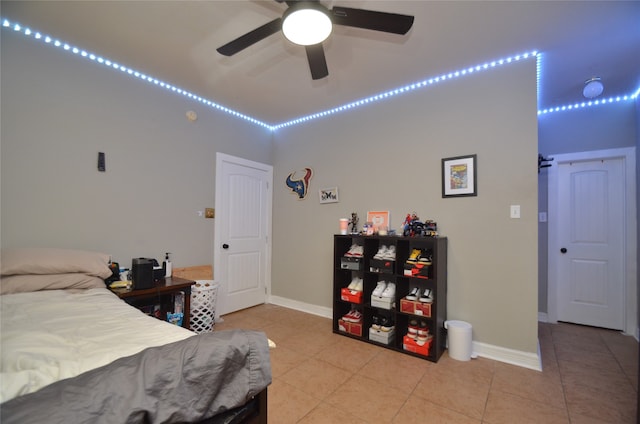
592 88
307 25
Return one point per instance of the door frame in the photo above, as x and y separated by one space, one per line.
217 242
630 244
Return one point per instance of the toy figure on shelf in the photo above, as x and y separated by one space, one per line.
354 223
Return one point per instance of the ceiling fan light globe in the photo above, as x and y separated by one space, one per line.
307 27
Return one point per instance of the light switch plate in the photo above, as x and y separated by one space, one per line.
515 211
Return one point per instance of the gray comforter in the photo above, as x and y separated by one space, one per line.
185 381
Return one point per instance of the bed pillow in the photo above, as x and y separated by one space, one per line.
29 283
22 261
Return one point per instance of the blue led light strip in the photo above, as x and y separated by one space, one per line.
589 103
411 87
106 62
381 96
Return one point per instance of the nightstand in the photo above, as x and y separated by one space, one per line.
161 294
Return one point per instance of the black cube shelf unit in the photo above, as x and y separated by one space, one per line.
371 271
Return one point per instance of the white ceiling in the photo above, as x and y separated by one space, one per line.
176 41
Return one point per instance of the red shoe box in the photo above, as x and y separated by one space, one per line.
352 296
415 307
350 327
417 270
410 345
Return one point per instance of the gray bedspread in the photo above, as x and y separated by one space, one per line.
185 381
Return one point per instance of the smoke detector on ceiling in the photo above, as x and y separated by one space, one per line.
592 88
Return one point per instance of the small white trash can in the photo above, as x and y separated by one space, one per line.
203 306
459 339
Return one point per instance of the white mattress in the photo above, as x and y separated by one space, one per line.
55 334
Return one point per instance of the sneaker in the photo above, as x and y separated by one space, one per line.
355 251
377 292
426 296
389 291
390 253
412 330
353 316
423 330
413 294
386 324
425 259
359 285
381 252
353 284
413 258
375 324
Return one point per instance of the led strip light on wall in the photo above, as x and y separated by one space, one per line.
378 97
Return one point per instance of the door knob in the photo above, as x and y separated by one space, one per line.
563 250
225 246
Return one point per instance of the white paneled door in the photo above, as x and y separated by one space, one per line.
591 236
242 263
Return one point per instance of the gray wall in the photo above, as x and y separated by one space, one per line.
59 111
595 128
387 156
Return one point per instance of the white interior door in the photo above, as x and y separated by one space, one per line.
591 236
242 252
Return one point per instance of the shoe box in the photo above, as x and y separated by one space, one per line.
354 328
383 302
415 307
382 266
411 345
417 270
384 337
348 262
352 296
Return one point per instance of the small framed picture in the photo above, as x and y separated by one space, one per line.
329 195
459 176
379 219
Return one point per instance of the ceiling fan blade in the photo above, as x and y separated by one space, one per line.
251 37
317 61
369 19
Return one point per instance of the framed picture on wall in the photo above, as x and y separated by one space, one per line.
379 219
459 176
328 195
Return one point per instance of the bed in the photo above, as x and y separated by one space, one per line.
72 351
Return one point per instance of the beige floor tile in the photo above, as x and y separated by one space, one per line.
316 377
504 408
368 399
396 370
349 354
592 402
311 343
420 411
287 404
327 414
528 384
603 360
606 381
283 360
460 386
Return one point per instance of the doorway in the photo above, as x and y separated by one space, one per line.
242 239
592 243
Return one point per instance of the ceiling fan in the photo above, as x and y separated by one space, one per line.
297 29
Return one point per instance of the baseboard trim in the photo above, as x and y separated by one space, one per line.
301 306
510 356
497 353
543 317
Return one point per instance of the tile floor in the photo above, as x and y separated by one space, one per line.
590 376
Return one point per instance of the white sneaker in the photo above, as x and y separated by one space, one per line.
414 294
389 291
379 289
381 252
390 253
353 284
351 250
359 285
358 252
426 296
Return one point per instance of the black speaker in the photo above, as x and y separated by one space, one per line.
142 273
